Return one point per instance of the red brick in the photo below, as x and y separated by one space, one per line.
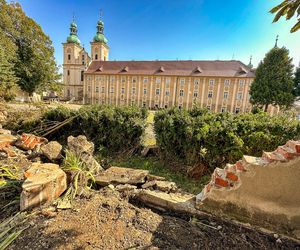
221 182
297 147
285 153
240 167
232 176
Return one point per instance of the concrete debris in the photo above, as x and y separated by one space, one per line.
43 183
84 149
80 145
164 186
125 187
30 142
151 177
117 175
52 150
184 203
5 131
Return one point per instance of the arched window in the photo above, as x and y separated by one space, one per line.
68 72
96 57
69 57
82 75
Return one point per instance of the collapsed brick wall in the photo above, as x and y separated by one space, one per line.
260 190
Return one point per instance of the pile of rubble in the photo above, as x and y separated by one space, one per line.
45 180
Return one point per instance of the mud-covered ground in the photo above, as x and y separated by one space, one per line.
107 220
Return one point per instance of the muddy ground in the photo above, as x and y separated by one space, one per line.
107 220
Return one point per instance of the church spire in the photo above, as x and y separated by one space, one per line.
73 38
100 31
276 41
250 63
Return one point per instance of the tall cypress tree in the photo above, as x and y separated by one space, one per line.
273 83
297 82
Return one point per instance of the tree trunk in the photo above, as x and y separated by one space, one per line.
266 107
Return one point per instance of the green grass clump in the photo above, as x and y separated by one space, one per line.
156 167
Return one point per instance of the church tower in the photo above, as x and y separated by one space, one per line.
75 62
99 47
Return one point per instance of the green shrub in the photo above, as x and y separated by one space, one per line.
214 139
112 129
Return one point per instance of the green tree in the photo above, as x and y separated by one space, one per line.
297 82
273 83
7 53
288 9
33 54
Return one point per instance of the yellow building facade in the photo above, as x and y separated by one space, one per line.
217 85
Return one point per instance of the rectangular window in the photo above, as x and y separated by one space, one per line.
226 82
123 80
210 94
158 80
82 57
145 80
167 92
97 89
157 91
81 75
225 95
211 82
123 90
112 79
241 83
239 96
168 80
181 92
196 82
68 72
69 57
133 80
145 91
103 90
182 80
196 94
223 109
133 90
112 90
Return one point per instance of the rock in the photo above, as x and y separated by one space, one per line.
84 150
164 186
80 145
52 150
8 138
174 201
8 149
151 177
43 183
117 175
5 131
125 187
30 142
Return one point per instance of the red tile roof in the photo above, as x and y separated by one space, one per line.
172 68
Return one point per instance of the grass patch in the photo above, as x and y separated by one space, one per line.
156 167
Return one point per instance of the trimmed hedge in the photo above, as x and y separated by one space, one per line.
113 129
214 139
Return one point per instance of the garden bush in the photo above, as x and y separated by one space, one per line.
113 129
198 136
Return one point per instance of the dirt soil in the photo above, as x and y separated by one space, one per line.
107 220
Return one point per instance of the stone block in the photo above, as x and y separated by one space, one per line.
43 183
52 150
117 175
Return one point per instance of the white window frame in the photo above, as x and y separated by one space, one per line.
158 80
225 95
182 81
145 91
239 96
226 82
97 89
195 94
211 82
181 92
241 82
145 80
157 91
210 94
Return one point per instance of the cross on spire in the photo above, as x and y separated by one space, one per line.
276 41
101 14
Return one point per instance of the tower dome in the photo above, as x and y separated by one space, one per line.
100 37
73 38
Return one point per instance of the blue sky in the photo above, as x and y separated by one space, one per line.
169 29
